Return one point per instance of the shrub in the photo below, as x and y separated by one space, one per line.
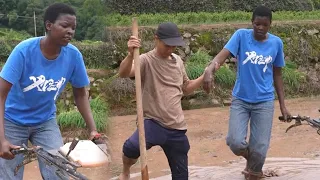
170 6
196 64
73 120
148 19
225 76
292 78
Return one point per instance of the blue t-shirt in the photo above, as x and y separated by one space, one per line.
37 81
256 59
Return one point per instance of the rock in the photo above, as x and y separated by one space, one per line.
67 102
99 80
187 50
215 102
317 66
313 77
91 79
68 95
187 35
187 41
182 54
192 101
227 102
312 32
196 35
195 102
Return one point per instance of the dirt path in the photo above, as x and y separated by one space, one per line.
209 154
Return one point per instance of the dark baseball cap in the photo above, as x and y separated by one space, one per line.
168 32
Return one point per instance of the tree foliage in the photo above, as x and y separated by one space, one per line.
19 15
92 15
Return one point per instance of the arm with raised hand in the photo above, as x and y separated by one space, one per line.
126 68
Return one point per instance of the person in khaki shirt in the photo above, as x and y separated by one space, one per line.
164 82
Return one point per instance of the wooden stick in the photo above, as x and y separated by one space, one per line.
142 140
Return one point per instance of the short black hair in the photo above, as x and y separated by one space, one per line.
55 10
262 11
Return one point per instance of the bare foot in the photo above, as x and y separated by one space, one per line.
124 176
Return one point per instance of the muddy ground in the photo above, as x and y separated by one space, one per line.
293 155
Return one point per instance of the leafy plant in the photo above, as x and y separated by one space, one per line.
170 6
73 119
196 64
292 78
10 34
225 76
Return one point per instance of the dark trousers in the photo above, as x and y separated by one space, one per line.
174 143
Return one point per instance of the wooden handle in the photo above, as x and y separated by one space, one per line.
142 140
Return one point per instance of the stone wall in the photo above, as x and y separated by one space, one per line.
301 46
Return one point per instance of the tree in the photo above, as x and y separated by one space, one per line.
90 14
18 15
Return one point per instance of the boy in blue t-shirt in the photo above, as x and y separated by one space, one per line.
34 75
260 59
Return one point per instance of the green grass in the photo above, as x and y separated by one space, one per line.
197 63
225 76
73 119
292 78
204 17
9 34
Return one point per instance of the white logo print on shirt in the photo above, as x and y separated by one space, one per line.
258 59
44 85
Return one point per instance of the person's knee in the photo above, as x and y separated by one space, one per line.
8 167
130 150
236 145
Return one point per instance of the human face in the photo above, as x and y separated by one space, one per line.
261 26
164 50
62 30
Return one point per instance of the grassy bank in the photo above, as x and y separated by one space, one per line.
205 17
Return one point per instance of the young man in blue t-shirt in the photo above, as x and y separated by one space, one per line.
34 75
260 59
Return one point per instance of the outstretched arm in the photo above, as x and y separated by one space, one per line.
210 70
194 84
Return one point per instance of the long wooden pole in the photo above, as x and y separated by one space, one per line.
142 140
